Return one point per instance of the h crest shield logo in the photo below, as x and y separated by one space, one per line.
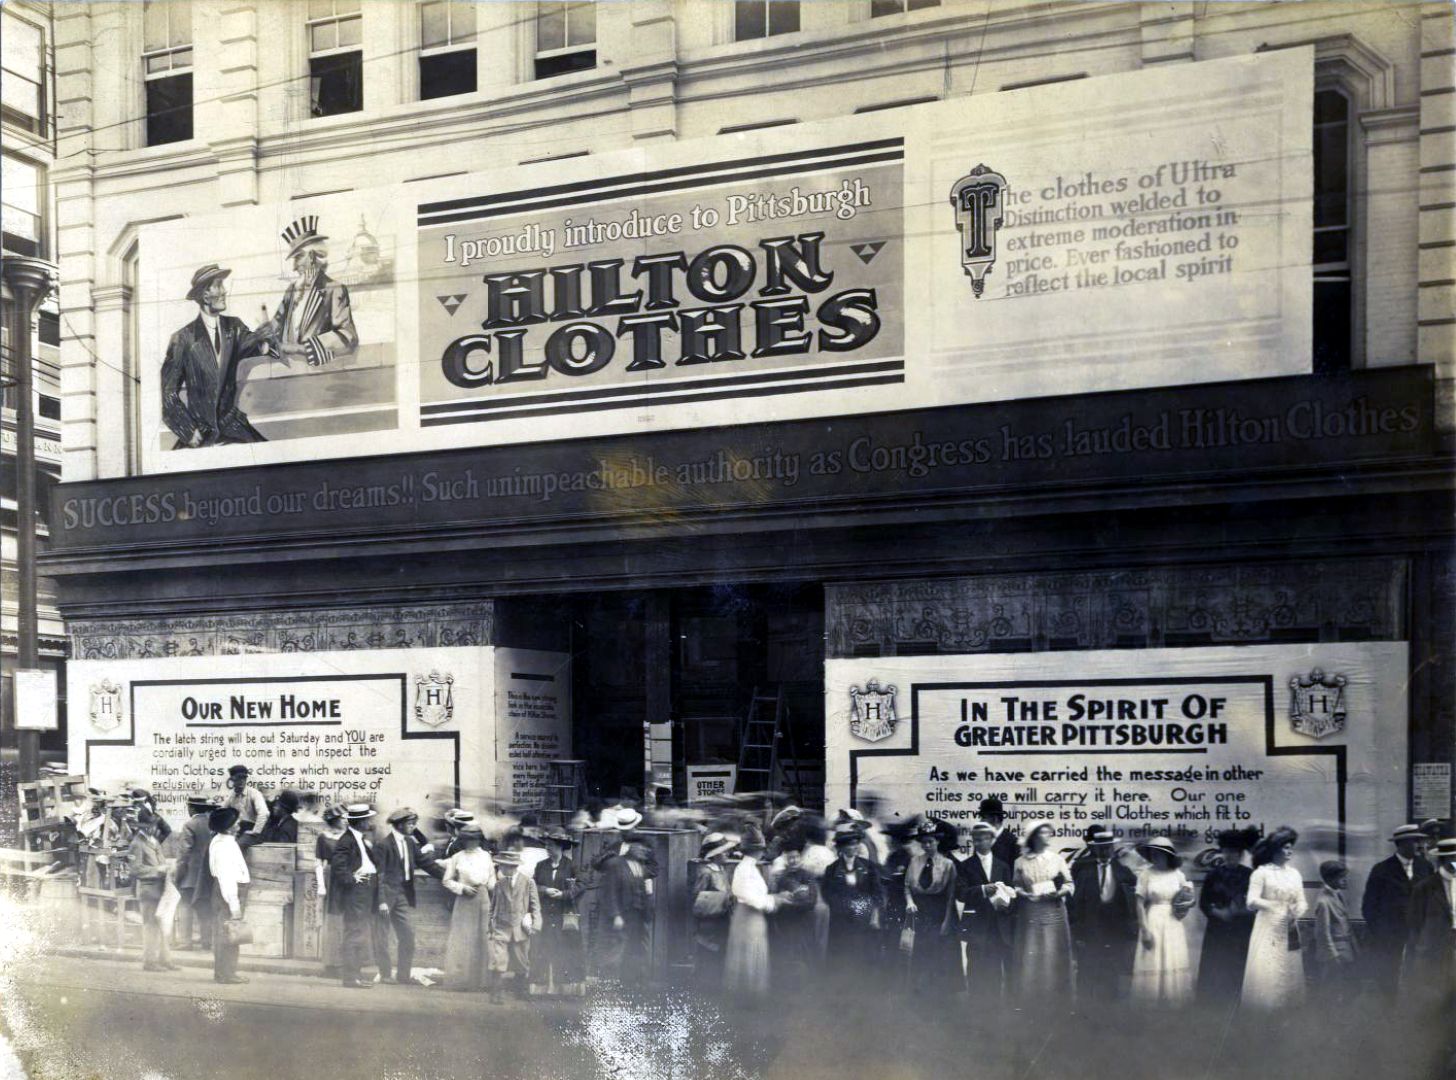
434 698
978 199
105 705
1317 704
872 711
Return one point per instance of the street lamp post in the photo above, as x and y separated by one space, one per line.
29 280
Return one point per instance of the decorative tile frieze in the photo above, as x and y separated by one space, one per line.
1147 608
401 627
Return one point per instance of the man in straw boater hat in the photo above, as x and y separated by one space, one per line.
315 321
397 857
1430 962
200 382
1387 901
354 890
1103 915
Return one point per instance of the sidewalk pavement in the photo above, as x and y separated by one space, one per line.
275 982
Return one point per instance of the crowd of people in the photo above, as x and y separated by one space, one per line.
796 900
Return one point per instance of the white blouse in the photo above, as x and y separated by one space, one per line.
474 868
749 887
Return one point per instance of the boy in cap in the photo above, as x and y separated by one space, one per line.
515 914
1387 901
1335 949
354 888
248 801
397 857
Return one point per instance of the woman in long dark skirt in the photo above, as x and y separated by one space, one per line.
856 898
930 881
1226 937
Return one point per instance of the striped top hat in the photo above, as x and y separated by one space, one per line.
301 233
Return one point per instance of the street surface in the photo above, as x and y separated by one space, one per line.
71 1018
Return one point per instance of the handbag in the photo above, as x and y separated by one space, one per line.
236 932
907 939
571 922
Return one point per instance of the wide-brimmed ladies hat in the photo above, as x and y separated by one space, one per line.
559 836
1163 844
1035 827
222 819
358 811
846 834
715 843
472 830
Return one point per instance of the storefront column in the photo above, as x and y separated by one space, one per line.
657 711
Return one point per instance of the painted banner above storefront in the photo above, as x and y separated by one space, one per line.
1147 437
1133 230
1180 743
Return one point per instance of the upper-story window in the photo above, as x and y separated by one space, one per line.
447 48
22 81
22 194
335 57
899 7
764 18
566 36
1333 232
167 70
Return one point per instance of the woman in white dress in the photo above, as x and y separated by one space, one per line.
1274 971
470 875
1042 943
745 962
1161 973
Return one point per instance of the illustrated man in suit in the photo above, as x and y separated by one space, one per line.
1103 914
353 889
985 927
1386 904
398 856
200 382
315 321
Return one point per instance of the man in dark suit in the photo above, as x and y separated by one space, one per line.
200 384
1386 904
1430 956
984 925
353 889
1103 914
398 856
993 814
192 841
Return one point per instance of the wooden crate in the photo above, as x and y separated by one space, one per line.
307 917
271 919
271 864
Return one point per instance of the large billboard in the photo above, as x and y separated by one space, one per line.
1136 230
1174 742
391 727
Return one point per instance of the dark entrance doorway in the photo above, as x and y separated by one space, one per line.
664 679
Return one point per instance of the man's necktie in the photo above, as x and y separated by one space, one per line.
926 876
1102 877
216 341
